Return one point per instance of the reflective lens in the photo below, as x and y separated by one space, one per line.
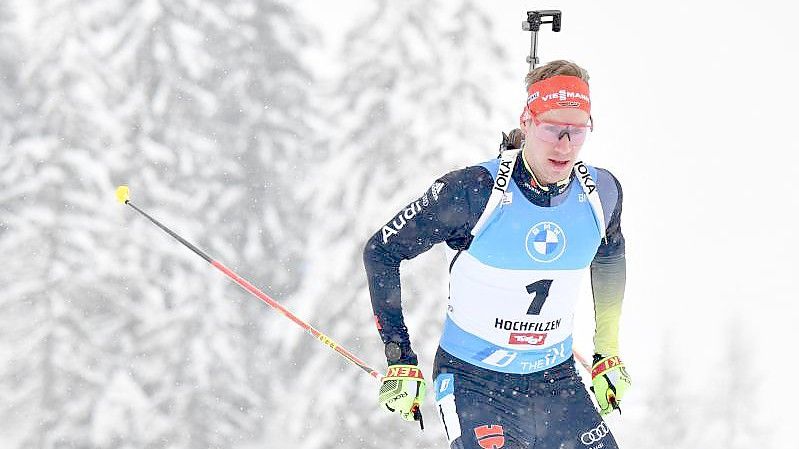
552 132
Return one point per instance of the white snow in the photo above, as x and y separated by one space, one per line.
278 136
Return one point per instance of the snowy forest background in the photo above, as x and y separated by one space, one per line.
279 135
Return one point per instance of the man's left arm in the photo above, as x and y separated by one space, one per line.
609 268
608 278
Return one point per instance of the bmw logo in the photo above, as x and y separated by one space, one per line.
545 242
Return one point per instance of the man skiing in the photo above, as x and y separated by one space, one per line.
523 230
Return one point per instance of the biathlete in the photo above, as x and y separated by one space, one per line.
521 230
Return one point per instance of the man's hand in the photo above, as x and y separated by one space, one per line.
403 391
610 380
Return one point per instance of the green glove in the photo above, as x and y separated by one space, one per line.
403 391
610 380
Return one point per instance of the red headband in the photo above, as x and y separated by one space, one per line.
557 92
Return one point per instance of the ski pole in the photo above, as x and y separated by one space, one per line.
123 196
582 361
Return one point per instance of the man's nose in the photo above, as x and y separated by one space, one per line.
564 144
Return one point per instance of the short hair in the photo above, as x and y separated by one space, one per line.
550 69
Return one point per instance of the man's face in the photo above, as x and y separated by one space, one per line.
552 160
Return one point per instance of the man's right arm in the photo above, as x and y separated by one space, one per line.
446 212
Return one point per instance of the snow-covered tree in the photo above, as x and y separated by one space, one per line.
122 337
669 405
24 264
407 106
736 409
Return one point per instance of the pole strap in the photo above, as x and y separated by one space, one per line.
502 179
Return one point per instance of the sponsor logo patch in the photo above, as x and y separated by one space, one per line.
490 437
595 435
530 326
585 176
496 357
527 338
545 242
503 176
445 385
435 189
445 399
404 372
568 104
391 229
564 95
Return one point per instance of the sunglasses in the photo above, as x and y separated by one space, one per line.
552 132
